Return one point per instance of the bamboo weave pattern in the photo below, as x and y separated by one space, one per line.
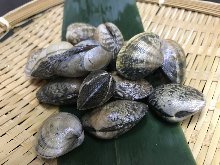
21 115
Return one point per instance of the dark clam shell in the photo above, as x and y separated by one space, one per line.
114 118
140 56
96 89
60 92
175 102
174 64
131 90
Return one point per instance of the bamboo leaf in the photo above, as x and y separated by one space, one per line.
123 13
152 141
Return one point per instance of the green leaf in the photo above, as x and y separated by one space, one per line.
123 13
152 141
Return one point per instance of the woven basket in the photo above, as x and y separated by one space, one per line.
195 25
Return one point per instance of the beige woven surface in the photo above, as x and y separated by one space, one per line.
21 115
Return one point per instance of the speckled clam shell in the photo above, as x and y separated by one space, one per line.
110 37
59 134
131 90
96 89
77 32
60 91
140 56
175 102
114 118
38 64
174 64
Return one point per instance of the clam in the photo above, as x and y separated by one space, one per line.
59 134
140 56
96 89
175 102
174 65
78 61
110 37
38 66
77 32
114 118
60 92
85 57
131 90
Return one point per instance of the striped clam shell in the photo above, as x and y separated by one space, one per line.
77 32
59 134
140 56
110 37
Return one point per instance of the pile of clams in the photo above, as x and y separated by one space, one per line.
99 73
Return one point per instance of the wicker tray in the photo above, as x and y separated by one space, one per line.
195 25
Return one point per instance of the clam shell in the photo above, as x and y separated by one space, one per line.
59 92
114 119
77 32
131 90
109 36
59 134
174 65
86 56
39 64
96 89
75 62
140 56
175 102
